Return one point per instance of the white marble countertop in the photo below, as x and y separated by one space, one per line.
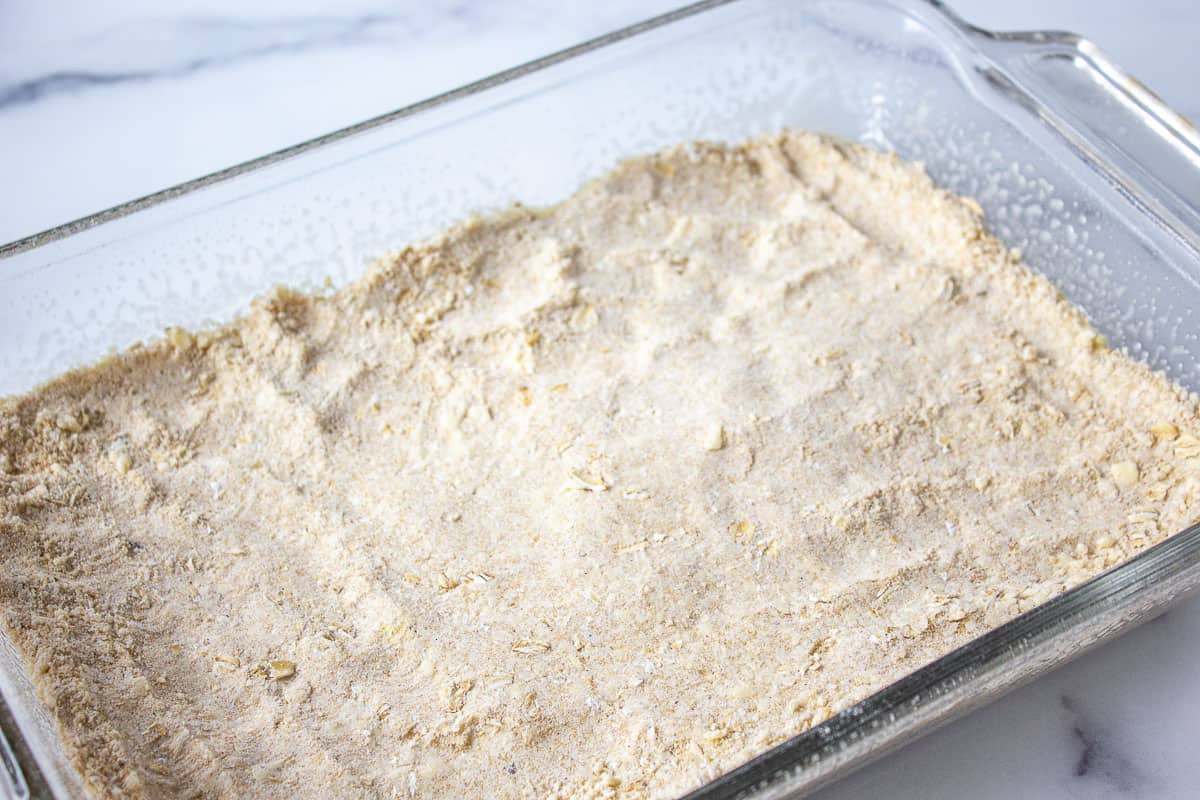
101 103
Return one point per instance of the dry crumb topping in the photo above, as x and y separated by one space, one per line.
596 501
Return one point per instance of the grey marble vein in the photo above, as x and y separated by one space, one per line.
1100 758
198 44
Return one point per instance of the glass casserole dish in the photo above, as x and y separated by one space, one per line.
1072 161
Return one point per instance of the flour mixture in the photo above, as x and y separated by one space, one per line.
596 501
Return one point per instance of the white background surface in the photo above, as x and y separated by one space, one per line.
101 103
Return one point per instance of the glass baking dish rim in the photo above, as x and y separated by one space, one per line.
844 741
981 38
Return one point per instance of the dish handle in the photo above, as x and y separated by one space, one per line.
1124 131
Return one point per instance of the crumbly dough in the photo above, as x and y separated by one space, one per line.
587 502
